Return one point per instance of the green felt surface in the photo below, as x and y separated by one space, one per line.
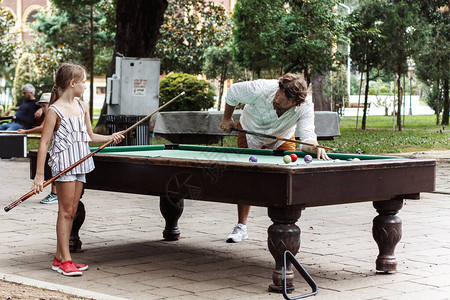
194 152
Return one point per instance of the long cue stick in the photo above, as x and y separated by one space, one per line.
6 118
31 193
280 139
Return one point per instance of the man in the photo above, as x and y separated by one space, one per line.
272 107
24 116
39 114
43 103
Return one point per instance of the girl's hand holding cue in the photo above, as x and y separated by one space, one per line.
38 184
117 137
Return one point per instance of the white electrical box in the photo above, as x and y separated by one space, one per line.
134 88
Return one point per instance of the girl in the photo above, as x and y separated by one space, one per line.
68 126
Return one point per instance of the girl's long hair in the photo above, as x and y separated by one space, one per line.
65 74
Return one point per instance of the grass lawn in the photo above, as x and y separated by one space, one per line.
419 134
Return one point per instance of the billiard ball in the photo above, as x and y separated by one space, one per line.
287 159
252 159
293 157
308 158
356 159
349 159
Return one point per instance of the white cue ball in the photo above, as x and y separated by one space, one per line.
287 159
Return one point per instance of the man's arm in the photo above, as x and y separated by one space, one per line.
15 108
227 120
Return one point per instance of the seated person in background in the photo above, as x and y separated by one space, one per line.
273 107
24 117
43 103
39 115
1 110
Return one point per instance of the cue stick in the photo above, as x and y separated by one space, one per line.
6 118
46 183
280 139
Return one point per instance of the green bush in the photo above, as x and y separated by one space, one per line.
384 90
199 93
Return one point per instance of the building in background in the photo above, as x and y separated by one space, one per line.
23 12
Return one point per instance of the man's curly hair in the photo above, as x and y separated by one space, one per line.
294 85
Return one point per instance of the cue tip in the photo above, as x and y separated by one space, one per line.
182 93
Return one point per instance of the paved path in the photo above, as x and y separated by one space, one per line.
123 245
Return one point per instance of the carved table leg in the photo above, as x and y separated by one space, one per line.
74 240
283 235
387 232
171 209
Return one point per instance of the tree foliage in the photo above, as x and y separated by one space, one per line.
199 93
67 26
432 55
75 25
398 26
190 27
219 65
287 36
336 88
7 43
255 35
431 97
366 44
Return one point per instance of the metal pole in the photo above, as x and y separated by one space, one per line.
349 11
411 65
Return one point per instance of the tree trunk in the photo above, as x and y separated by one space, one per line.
366 99
399 104
221 85
445 113
138 23
437 102
321 102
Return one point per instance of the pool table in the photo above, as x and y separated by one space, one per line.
217 174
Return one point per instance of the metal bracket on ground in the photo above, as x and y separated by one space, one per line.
288 256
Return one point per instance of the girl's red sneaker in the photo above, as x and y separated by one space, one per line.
57 262
68 268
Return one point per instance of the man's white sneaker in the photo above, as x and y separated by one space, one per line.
239 233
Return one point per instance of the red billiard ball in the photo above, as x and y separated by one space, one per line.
293 157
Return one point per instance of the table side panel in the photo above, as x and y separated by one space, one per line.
210 183
358 184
